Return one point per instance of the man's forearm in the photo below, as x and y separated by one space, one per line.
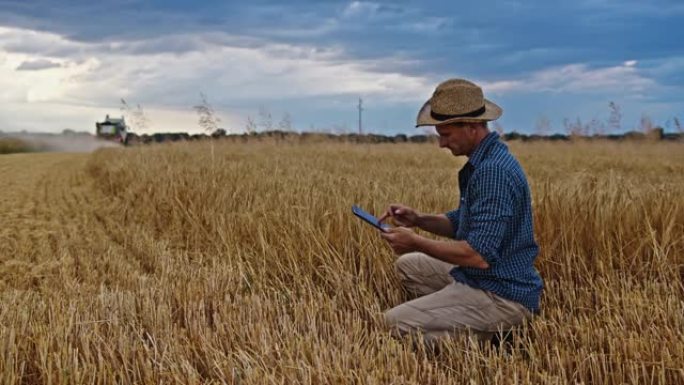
455 252
437 224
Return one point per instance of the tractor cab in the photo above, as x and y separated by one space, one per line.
113 129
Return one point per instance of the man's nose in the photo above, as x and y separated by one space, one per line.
442 142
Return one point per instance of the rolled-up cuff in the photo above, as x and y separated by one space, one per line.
453 218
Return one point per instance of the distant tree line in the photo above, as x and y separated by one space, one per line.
278 135
289 136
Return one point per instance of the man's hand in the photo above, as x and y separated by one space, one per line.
402 215
401 239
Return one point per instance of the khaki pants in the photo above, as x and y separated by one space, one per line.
445 307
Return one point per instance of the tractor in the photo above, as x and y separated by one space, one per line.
112 129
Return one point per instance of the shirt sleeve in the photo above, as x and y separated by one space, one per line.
490 203
453 217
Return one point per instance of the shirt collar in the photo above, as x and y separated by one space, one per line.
482 148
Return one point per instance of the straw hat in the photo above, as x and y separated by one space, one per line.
457 100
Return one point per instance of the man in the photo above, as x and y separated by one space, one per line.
483 279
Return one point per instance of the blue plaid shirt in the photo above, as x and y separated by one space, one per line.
495 218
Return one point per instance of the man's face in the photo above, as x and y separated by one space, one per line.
459 137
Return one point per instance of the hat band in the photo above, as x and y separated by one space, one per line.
477 112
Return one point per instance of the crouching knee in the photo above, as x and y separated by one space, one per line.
406 263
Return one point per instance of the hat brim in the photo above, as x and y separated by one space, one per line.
425 118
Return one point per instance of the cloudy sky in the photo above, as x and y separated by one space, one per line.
66 64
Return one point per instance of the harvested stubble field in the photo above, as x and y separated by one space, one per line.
241 263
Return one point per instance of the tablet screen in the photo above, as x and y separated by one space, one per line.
359 212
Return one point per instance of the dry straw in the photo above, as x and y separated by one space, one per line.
163 265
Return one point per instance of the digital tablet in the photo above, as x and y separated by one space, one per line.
373 221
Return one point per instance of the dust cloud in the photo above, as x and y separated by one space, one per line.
63 142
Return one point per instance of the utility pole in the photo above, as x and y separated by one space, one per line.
360 110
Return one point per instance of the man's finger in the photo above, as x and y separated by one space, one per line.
383 217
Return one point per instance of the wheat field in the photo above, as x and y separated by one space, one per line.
241 263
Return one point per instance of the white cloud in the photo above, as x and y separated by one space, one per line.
38 65
169 72
360 8
578 78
